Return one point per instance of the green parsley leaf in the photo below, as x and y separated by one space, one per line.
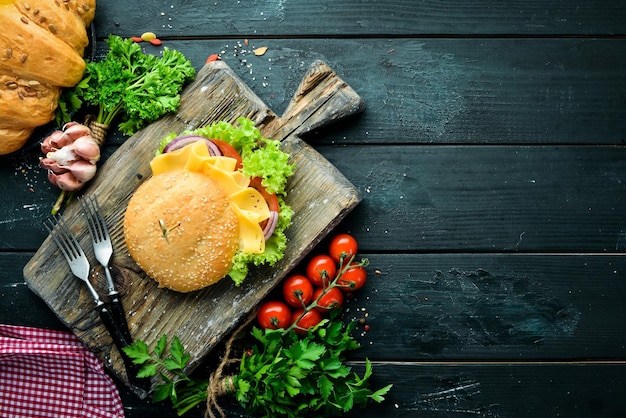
138 352
308 354
159 349
147 370
162 392
378 395
179 358
325 386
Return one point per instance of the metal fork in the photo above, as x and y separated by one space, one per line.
71 249
103 250
65 239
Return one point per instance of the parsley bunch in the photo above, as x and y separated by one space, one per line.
127 82
283 374
291 375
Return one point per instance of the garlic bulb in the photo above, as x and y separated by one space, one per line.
71 156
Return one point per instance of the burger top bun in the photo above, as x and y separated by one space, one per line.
180 229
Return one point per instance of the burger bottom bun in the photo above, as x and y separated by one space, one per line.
179 228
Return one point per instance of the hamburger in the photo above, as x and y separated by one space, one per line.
213 206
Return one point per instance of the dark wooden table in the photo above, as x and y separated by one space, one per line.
492 164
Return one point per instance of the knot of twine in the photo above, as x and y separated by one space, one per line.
219 385
98 130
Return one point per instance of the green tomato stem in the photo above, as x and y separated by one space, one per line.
325 289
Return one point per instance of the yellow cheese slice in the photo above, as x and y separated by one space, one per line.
247 203
229 182
251 239
178 159
251 203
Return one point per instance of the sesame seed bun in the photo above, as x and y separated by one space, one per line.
180 229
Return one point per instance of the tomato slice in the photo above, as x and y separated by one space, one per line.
228 150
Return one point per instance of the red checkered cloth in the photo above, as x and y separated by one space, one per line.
52 374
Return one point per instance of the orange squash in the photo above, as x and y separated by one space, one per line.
41 48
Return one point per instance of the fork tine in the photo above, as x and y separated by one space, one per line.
91 222
60 243
98 211
98 226
72 244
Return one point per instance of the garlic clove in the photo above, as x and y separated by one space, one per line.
60 141
52 177
68 182
49 143
63 156
87 148
69 125
52 165
82 170
75 130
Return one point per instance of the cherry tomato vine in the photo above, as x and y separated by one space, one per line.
328 279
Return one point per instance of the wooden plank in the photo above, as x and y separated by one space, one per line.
336 18
500 390
30 198
508 307
20 306
486 198
452 91
202 318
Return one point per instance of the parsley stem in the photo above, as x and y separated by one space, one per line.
106 117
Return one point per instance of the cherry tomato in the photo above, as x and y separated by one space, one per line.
309 320
297 291
274 315
343 247
228 150
321 270
353 278
332 299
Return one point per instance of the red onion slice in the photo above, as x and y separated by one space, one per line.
271 225
181 141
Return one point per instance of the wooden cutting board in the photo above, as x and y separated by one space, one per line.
318 193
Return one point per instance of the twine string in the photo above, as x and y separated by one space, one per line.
220 385
98 130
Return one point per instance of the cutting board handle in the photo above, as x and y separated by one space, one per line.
322 98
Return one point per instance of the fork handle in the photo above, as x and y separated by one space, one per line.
120 342
117 310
